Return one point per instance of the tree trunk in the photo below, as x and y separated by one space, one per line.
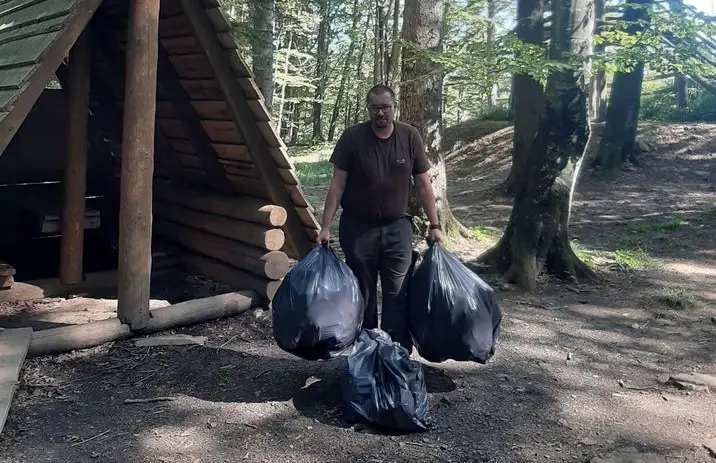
491 90
619 136
598 108
394 60
527 95
380 39
421 99
682 98
264 11
359 108
282 105
537 235
321 71
345 74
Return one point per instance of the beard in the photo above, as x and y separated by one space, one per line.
381 122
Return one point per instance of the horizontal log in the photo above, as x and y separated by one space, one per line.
237 207
250 233
271 264
67 338
231 276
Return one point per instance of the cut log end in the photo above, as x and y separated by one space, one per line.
274 239
276 215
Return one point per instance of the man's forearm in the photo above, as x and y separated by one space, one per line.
330 208
427 200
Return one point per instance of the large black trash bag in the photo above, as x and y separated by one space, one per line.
453 313
318 308
384 386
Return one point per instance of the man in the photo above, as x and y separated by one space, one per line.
374 162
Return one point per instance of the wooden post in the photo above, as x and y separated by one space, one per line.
135 214
73 212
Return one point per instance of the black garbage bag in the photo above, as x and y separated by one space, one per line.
384 386
318 308
453 313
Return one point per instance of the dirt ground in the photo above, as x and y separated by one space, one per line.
580 370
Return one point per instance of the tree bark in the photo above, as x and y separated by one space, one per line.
682 97
321 70
264 13
421 99
537 236
527 95
618 141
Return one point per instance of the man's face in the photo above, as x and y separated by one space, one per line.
381 109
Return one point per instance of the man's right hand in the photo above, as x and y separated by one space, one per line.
324 235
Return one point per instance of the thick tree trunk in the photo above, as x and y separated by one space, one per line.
421 98
682 98
345 74
527 95
264 12
537 235
619 136
321 71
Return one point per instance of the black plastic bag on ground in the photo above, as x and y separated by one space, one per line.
318 309
384 386
453 314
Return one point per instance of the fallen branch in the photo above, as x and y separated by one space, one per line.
91 438
151 399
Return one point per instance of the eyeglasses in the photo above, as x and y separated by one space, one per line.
375 109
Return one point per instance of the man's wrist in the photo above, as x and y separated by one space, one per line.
434 226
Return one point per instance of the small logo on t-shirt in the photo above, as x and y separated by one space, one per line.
400 161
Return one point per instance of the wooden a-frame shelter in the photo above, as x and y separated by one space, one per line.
157 93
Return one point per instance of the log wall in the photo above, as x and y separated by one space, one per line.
232 239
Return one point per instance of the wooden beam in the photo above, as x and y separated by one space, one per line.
48 63
75 181
67 338
259 149
135 211
171 85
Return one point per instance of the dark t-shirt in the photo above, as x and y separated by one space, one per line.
379 170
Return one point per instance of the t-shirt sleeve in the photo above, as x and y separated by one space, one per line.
342 156
420 159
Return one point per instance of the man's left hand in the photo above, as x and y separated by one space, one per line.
436 236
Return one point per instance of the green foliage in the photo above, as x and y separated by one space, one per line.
677 298
485 233
668 40
659 104
634 259
314 173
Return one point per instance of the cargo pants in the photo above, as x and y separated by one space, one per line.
381 250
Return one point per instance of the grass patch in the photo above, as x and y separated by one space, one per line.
677 298
484 233
635 259
314 173
583 255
